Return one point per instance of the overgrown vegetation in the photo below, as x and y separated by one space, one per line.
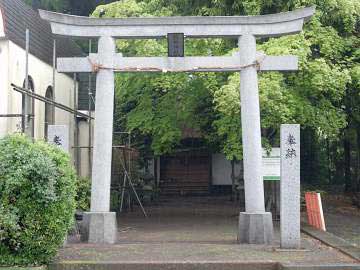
323 96
78 7
83 193
37 200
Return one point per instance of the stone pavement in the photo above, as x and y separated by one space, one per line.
196 231
333 241
342 218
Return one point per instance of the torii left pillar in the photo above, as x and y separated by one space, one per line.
100 222
255 225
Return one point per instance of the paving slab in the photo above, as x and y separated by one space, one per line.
334 241
342 218
191 234
321 267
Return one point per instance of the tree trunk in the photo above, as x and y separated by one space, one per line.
347 156
329 161
232 180
358 159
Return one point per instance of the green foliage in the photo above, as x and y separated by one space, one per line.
156 107
323 96
37 200
78 7
55 5
160 106
83 193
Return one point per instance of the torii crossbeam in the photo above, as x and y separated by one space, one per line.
255 225
175 64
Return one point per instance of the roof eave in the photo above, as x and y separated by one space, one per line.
2 25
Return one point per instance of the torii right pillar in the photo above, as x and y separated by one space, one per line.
255 225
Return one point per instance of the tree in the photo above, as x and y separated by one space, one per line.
156 107
78 7
54 5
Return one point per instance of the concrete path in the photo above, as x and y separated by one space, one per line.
342 218
194 231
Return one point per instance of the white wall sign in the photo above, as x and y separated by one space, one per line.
271 164
59 136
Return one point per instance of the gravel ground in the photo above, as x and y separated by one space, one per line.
342 218
196 230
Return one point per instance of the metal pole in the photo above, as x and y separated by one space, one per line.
27 59
122 193
54 77
76 131
25 96
89 113
129 154
49 101
134 190
11 115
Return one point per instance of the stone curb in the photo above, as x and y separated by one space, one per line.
333 241
196 266
321 267
185 266
23 268
165 265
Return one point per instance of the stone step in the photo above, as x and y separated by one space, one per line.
83 265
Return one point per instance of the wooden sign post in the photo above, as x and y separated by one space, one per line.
314 210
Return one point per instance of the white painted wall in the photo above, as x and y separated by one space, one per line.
221 170
4 82
41 74
84 142
221 167
12 70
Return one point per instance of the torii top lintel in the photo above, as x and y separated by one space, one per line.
153 27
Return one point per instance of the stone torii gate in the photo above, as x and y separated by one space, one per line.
255 225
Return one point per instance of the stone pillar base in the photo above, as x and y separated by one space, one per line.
255 228
99 227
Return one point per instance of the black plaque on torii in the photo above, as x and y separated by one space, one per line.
175 44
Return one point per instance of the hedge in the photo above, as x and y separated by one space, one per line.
37 200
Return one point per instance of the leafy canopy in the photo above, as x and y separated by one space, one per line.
156 107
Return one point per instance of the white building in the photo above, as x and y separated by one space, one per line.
15 18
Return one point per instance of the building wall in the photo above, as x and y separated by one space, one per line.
12 70
221 170
83 152
221 167
3 84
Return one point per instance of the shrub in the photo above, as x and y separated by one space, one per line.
37 200
83 193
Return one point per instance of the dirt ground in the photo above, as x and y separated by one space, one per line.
341 217
193 229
